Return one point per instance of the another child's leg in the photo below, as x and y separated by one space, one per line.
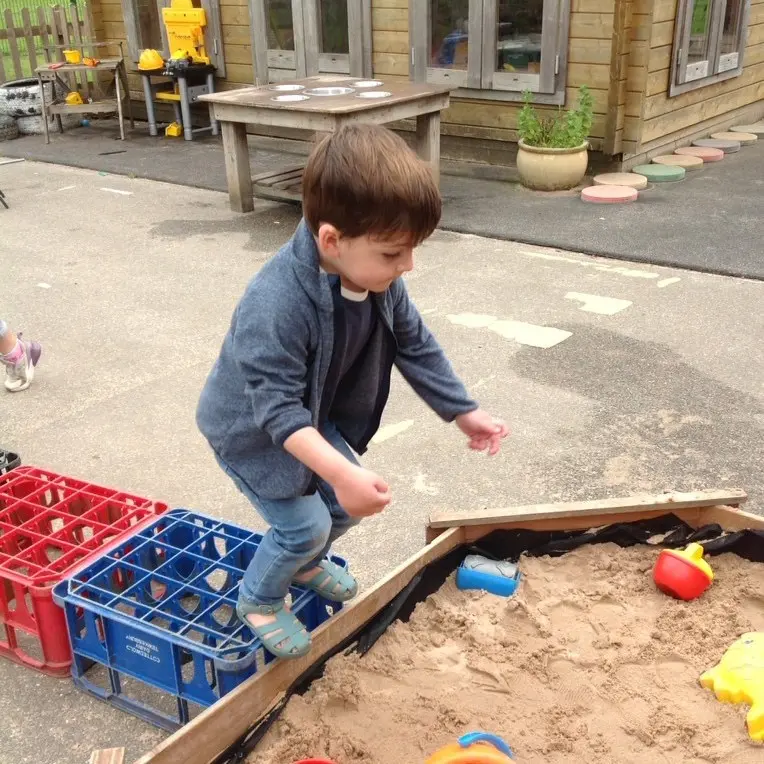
322 575
19 359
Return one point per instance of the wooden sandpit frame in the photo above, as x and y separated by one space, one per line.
220 726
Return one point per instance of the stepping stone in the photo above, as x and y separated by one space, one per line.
757 128
660 173
707 155
628 179
728 147
609 194
681 160
746 139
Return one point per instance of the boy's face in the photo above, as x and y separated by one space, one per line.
368 263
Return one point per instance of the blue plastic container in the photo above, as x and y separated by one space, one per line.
8 461
495 576
160 608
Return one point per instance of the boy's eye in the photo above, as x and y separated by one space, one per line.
391 255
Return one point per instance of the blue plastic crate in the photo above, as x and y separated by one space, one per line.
160 608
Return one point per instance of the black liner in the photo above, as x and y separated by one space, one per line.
506 545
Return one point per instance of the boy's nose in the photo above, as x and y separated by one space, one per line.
407 263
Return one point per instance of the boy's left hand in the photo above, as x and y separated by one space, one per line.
483 430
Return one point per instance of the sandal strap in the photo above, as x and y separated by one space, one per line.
331 580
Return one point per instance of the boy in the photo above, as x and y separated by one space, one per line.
19 358
304 371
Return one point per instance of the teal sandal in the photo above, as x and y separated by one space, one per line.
331 582
285 637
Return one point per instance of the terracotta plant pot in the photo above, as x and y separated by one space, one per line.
545 169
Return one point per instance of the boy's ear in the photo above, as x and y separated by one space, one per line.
329 240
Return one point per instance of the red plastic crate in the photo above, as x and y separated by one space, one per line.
50 525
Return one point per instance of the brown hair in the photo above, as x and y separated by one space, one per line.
365 180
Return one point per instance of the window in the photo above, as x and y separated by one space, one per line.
300 38
708 43
501 47
144 29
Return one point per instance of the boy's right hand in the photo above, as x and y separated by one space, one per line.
361 492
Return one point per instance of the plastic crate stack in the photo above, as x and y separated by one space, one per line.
49 525
135 602
160 608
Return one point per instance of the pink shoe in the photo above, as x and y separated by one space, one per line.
19 374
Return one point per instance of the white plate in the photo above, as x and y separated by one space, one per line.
367 84
335 91
290 98
286 88
374 94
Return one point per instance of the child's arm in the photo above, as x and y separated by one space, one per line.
426 368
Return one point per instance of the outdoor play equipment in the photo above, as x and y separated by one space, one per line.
474 748
683 574
739 678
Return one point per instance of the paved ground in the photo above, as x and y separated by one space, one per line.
662 228
655 381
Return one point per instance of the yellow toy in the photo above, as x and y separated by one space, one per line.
739 678
74 98
185 31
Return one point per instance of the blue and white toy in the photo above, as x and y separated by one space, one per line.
495 576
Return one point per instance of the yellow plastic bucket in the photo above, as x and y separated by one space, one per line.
72 56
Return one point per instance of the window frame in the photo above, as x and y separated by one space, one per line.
213 32
480 80
719 66
306 60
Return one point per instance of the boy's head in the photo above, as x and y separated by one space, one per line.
369 200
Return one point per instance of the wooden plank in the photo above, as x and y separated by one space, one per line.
591 25
3 78
663 34
242 73
402 4
390 42
591 51
238 54
390 63
108 756
43 24
237 36
666 502
271 175
356 51
664 10
223 723
389 19
13 47
428 141
29 38
728 519
82 78
236 155
213 35
290 182
617 83
660 58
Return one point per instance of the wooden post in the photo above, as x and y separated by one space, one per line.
108 756
29 37
12 44
238 174
428 141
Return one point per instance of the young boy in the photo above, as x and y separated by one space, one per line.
304 372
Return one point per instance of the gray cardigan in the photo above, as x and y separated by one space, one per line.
269 378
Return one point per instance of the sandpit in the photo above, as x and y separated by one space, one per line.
588 662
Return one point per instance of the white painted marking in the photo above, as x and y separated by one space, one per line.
592 303
391 430
518 331
117 191
619 269
667 282
530 334
422 486
67 188
428 311
43 285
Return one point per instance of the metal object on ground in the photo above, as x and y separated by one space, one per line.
375 94
329 91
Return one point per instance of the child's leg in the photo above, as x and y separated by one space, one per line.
19 359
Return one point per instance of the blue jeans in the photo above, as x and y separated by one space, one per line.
302 531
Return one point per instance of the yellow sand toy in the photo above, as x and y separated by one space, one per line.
474 748
739 678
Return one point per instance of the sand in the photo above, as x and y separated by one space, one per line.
588 662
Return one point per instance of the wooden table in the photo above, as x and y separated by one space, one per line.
114 65
235 109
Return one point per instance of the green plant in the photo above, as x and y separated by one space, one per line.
562 129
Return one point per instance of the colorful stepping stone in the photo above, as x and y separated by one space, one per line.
689 163
629 179
707 155
609 194
660 173
757 128
746 139
728 147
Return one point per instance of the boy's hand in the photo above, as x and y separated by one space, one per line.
483 430
361 492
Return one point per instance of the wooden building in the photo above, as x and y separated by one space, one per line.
662 72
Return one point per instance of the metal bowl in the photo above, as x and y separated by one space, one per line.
290 98
335 91
375 94
287 88
367 83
